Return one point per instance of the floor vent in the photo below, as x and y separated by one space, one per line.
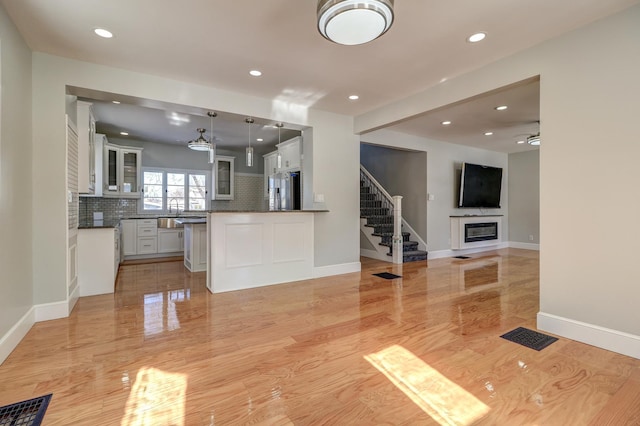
529 338
387 276
25 413
461 257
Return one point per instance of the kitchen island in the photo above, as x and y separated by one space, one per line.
259 248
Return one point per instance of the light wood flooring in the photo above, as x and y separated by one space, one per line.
352 349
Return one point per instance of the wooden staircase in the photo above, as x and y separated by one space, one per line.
381 220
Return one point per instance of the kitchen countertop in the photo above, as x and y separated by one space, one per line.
98 224
191 220
263 211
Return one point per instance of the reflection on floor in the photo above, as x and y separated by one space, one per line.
350 349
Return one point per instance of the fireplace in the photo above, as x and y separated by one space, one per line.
483 231
469 232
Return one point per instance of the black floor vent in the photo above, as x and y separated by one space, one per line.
387 275
529 338
25 413
461 257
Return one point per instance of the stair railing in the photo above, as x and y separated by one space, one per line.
394 204
387 201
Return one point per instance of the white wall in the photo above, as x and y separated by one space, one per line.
444 161
336 176
590 98
15 181
524 197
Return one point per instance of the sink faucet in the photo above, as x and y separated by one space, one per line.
177 206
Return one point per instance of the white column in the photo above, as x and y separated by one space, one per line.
397 229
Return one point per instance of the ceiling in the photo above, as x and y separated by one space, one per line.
216 43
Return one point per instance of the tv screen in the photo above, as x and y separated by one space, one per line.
480 186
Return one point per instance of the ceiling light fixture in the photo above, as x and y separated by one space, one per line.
278 155
255 73
474 38
124 133
446 123
354 97
488 133
534 140
116 102
212 145
352 22
520 142
103 33
249 150
200 144
501 108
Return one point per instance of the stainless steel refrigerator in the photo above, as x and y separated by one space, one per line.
284 191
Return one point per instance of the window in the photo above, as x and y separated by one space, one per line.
173 190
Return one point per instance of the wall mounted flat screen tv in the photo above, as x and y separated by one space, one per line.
480 186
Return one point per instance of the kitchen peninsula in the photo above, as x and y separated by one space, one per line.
259 248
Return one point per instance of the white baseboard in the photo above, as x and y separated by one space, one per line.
51 311
10 340
605 338
343 268
376 255
525 246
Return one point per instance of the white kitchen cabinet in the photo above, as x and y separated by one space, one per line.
195 247
97 260
170 240
147 245
129 237
86 125
147 233
290 153
270 167
223 178
121 171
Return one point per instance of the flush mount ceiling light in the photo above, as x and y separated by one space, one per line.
354 97
534 140
255 73
501 108
200 144
488 133
446 123
352 22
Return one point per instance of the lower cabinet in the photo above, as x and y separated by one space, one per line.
170 240
129 237
97 260
195 247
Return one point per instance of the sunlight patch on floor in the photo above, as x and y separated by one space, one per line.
156 398
446 402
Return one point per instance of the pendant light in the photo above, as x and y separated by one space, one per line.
212 145
352 22
249 121
279 155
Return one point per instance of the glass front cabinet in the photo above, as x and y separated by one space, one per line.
223 178
122 171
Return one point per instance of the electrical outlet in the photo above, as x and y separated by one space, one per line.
530 237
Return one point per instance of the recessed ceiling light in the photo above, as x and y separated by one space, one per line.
116 102
259 140
103 33
124 133
354 97
474 38
520 142
255 73
445 123
501 108
488 133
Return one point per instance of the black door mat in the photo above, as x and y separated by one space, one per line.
25 413
461 257
529 338
387 275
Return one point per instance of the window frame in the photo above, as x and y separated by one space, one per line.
187 174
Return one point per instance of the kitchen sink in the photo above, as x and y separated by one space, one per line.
169 223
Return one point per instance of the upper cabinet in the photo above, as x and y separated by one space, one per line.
223 178
290 154
86 148
121 167
270 168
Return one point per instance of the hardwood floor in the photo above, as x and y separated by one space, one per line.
350 349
